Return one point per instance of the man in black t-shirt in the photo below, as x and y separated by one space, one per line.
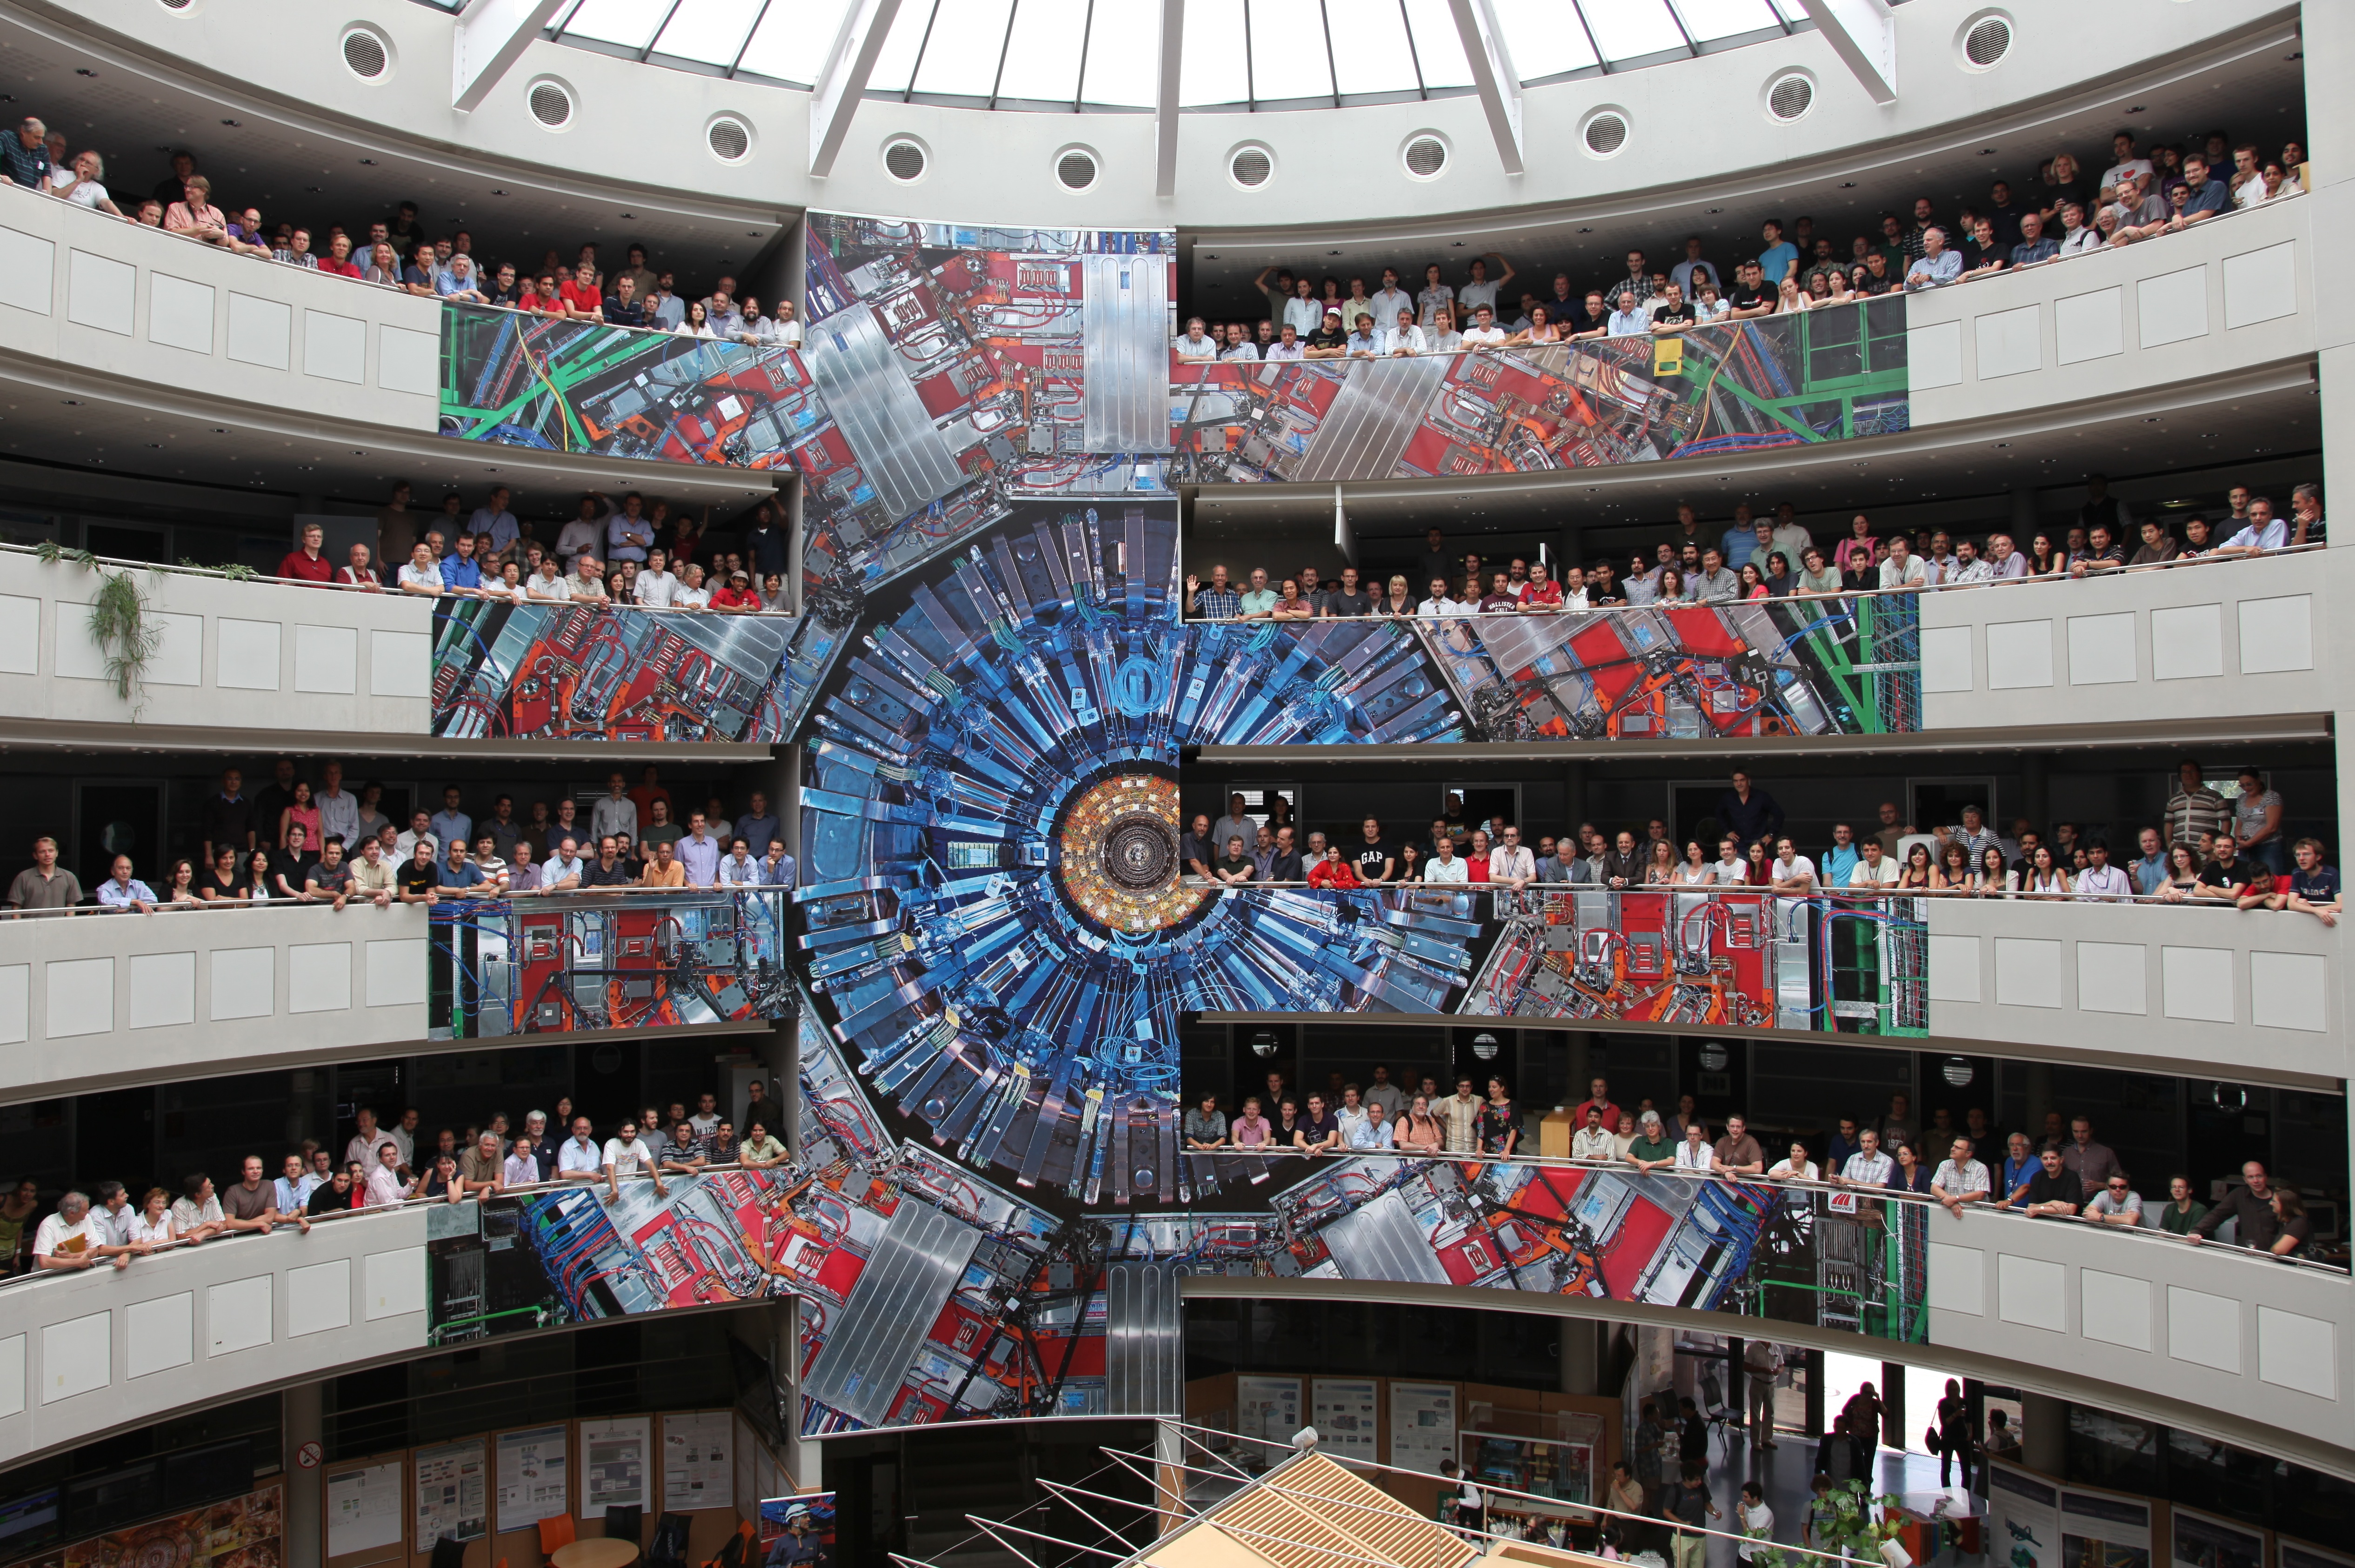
1375 857
1676 312
1286 865
1348 598
418 877
2054 1191
1749 297
608 869
1329 341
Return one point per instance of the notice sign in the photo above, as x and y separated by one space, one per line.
1423 1424
364 1509
1267 1408
613 1463
1345 1418
699 1460
531 1477
453 1494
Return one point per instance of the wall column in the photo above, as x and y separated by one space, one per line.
302 1418
1579 1350
2044 1432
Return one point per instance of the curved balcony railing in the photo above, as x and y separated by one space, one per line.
92 999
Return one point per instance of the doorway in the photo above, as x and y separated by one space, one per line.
114 817
1481 802
1938 802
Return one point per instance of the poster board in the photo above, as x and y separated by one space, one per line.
1269 1408
745 1472
698 1460
2289 1553
1346 1414
531 1476
363 1511
1422 1424
2024 1519
2104 1530
2197 1539
451 1494
614 1463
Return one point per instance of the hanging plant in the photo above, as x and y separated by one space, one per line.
118 622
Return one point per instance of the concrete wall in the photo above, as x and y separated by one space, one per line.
99 294
234 655
2244 637
98 1349
2161 988
2232 294
89 1001
2217 1328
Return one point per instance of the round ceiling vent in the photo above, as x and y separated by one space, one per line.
551 103
1075 167
905 161
1251 168
1790 96
1987 41
366 54
728 138
1606 132
177 5
1425 157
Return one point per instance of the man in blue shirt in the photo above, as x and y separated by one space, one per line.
2033 246
2208 195
1840 859
1937 264
1628 317
452 825
2149 871
1778 258
459 569
699 853
458 875
758 825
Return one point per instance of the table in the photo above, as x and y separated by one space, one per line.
603 1552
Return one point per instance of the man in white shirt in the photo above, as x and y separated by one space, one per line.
2101 880
73 1238
2122 147
581 535
588 579
1960 1178
547 584
339 808
562 870
1483 332
2265 532
420 575
521 1168
1239 347
1439 605
1873 869
783 326
1404 337
1512 862
1195 344
1695 1153
1867 1166
1903 569
2118 1204
1371 1130
291 1193
1390 299
625 1156
1446 866
1628 317
580 1159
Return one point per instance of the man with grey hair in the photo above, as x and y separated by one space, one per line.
26 155
72 1237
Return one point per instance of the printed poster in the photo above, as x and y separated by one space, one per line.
453 1494
1423 1424
2024 1519
2290 1554
531 1477
1267 1408
613 1463
246 1531
1346 1416
364 1509
2204 1540
2104 1530
797 1532
699 1460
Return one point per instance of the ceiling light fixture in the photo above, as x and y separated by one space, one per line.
232 124
84 70
370 162
2134 109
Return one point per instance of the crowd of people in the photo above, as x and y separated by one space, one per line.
2143 194
2207 848
396 252
1758 556
632 552
383 1166
2056 1170
294 842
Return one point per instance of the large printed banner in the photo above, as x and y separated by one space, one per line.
246 1531
929 1293
1831 374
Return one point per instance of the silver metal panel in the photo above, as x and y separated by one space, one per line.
898 1295
867 391
1381 1240
1145 1342
1372 418
1124 353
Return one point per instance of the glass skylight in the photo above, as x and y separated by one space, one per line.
1100 54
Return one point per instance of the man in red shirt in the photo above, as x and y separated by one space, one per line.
1598 1097
308 563
338 259
1541 592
